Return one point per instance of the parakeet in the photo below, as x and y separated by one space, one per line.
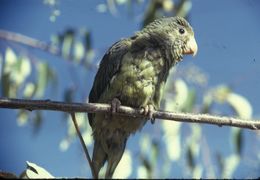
133 73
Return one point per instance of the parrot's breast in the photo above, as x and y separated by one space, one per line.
134 85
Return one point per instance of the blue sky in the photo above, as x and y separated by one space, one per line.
227 33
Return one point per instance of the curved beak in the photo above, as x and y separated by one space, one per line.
192 47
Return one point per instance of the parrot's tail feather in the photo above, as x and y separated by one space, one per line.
113 158
99 157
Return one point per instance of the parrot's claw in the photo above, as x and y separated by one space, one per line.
148 110
115 104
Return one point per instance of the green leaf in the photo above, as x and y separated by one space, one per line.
101 8
175 101
29 90
64 144
79 51
22 117
52 78
207 102
237 137
230 165
194 139
190 158
71 132
147 166
6 86
34 171
89 56
10 60
181 96
15 72
221 93
124 168
172 139
190 101
37 121
154 153
69 94
241 105
42 69
1 65
220 161
197 172
22 70
25 69
145 144
88 41
55 40
142 172
67 43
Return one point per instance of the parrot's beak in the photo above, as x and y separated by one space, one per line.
191 47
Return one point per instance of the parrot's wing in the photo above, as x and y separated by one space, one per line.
109 66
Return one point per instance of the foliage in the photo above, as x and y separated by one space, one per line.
180 145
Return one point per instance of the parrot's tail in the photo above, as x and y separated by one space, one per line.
112 153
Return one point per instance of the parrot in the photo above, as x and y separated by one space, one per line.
133 72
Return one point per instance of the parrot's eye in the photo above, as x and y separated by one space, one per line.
181 31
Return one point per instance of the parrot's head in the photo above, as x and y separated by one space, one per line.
174 34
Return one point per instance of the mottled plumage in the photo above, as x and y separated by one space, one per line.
134 70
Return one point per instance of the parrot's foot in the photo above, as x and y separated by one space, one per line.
148 110
115 104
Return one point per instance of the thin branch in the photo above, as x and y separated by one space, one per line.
28 41
94 174
37 44
127 111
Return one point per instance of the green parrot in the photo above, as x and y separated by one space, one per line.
133 73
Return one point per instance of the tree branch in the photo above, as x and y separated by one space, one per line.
94 174
28 41
37 44
126 111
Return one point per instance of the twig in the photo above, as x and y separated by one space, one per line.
94 175
126 111
28 41
37 44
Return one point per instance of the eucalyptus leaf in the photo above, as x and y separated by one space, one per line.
181 96
190 158
69 94
145 144
88 41
37 121
172 139
67 43
22 117
34 171
1 65
29 90
64 144
190 101
142 172
124 168
25 69
79 51
42 69
237 137
230 165
154 152
197 172
10 60
221 93
220 161
207 103
6 86
241 105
